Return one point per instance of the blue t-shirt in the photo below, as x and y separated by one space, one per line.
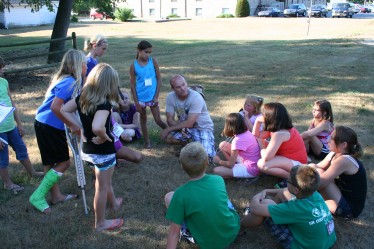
91 63
63 90
146 81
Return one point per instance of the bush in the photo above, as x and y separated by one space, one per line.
173 16
123 14
74 18
242 8
226 16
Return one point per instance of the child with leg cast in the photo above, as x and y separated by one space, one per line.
145 83
11 134
99 95
242 155
50 130
301 222
315 139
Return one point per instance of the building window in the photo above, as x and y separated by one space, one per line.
152 12
199 12
174 1
225 11
174 11
151 1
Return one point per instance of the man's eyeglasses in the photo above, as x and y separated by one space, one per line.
293 184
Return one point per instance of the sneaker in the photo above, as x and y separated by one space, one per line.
246 211
281 184
185 234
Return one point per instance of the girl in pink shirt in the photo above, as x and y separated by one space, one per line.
241 156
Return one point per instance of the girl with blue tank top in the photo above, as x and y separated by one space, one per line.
50 130
145 83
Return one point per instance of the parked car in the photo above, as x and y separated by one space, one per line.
269 11
295 10
318 10
95 14
354 7
364 9
371 7
342 9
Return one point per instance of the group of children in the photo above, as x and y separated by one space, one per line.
299 213
262 140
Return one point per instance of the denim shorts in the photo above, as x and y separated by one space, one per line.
343 210
281 233
15 141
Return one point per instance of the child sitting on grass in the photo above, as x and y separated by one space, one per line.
301 222
127 117
201 204
242 155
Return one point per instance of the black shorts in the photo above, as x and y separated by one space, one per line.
52 144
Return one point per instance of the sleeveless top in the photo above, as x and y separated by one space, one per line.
294 148
146 81
353 187
324 136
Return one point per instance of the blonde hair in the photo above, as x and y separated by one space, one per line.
71 65
96 39
101 86
256 101
194 159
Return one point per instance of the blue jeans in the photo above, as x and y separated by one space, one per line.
15 141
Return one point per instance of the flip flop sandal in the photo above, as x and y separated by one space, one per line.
67 198
15 188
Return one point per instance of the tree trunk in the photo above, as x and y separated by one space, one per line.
60 29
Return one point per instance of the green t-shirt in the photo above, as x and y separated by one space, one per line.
8 124
203 205
308 219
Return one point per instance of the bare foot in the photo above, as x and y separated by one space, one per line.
109 225
117 207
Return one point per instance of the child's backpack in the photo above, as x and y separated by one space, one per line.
199 89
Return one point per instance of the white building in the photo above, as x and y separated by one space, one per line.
21 15
156 9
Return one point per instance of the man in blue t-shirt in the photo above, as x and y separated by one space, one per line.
301 222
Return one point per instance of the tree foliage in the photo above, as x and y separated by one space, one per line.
242 8
61 25
35 5
123 14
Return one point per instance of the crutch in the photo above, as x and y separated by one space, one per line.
75 148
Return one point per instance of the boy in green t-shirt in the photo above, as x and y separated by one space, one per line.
301 222
201 204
